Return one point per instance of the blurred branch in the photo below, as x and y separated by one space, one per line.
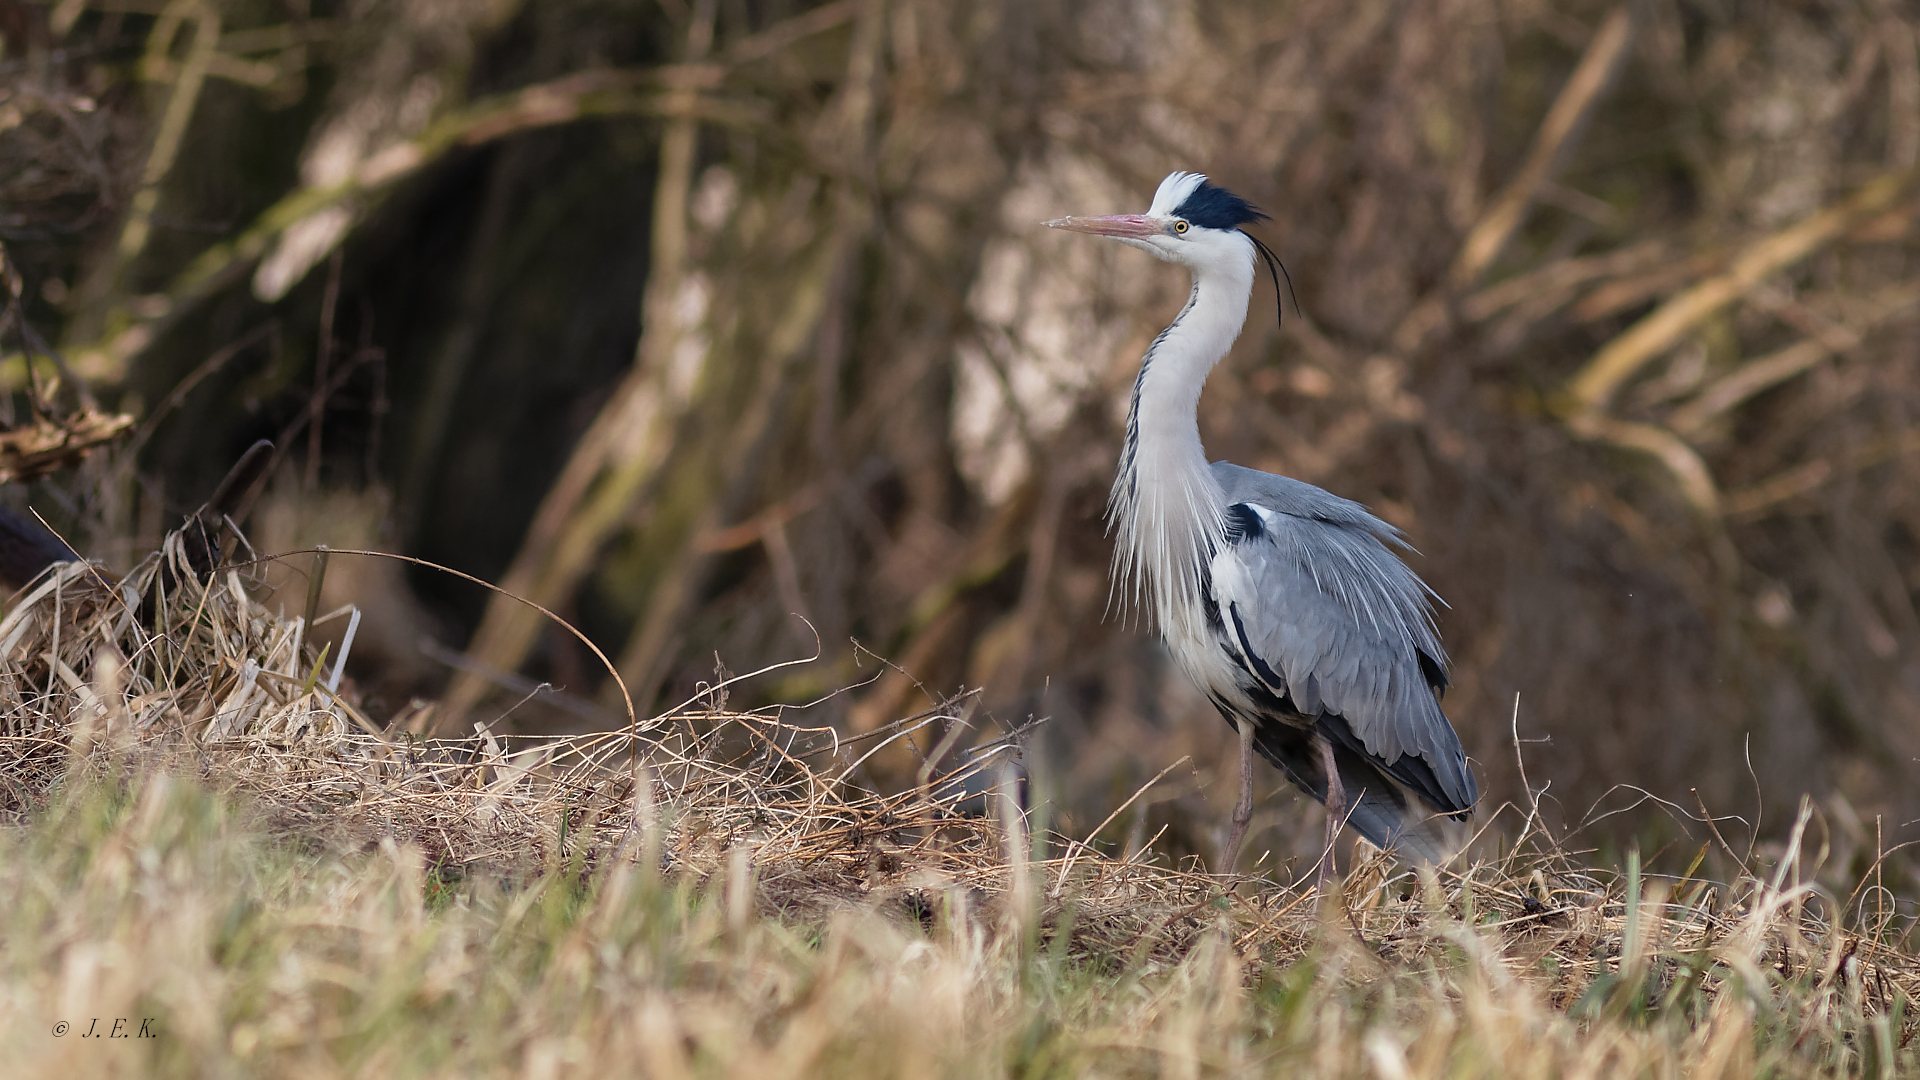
755 529
1751 378
279 36
587 95
1757 376
207 368
1567 117
789 31
576 97
52 438
113 336
1584 403
937 615
316 406
1593 387
1903 92
1632 290
626 442
1562 279
642 661
1496 226
46 444
448 367
1696 482
1688 470
844 132
1752 502
187 79
1004 656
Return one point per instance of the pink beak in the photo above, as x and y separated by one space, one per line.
1123 226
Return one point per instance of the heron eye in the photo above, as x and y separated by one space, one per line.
1179 226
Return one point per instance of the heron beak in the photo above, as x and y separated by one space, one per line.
1119 226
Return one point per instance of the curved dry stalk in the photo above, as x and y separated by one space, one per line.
1076 847
1688 470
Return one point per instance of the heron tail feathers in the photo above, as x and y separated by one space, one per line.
1388 813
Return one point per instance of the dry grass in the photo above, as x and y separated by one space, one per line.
209 840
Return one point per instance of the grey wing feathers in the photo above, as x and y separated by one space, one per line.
1318 599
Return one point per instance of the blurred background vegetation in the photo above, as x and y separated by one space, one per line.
688 318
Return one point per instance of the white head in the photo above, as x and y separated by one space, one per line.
1192 223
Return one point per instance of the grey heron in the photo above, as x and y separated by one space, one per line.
1286 604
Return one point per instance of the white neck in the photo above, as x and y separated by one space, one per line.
1165 504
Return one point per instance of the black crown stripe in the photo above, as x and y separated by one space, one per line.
1213 207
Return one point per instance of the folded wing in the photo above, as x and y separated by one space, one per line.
1328 619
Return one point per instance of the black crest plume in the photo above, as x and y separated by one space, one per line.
1213 207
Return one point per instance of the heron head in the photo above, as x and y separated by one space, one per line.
1192 222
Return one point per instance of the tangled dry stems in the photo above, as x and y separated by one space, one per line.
93 682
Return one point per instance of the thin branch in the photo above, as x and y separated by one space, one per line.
1594 386
1563 122
1749 379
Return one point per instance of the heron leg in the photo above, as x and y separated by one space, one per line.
1242 810
1336 806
